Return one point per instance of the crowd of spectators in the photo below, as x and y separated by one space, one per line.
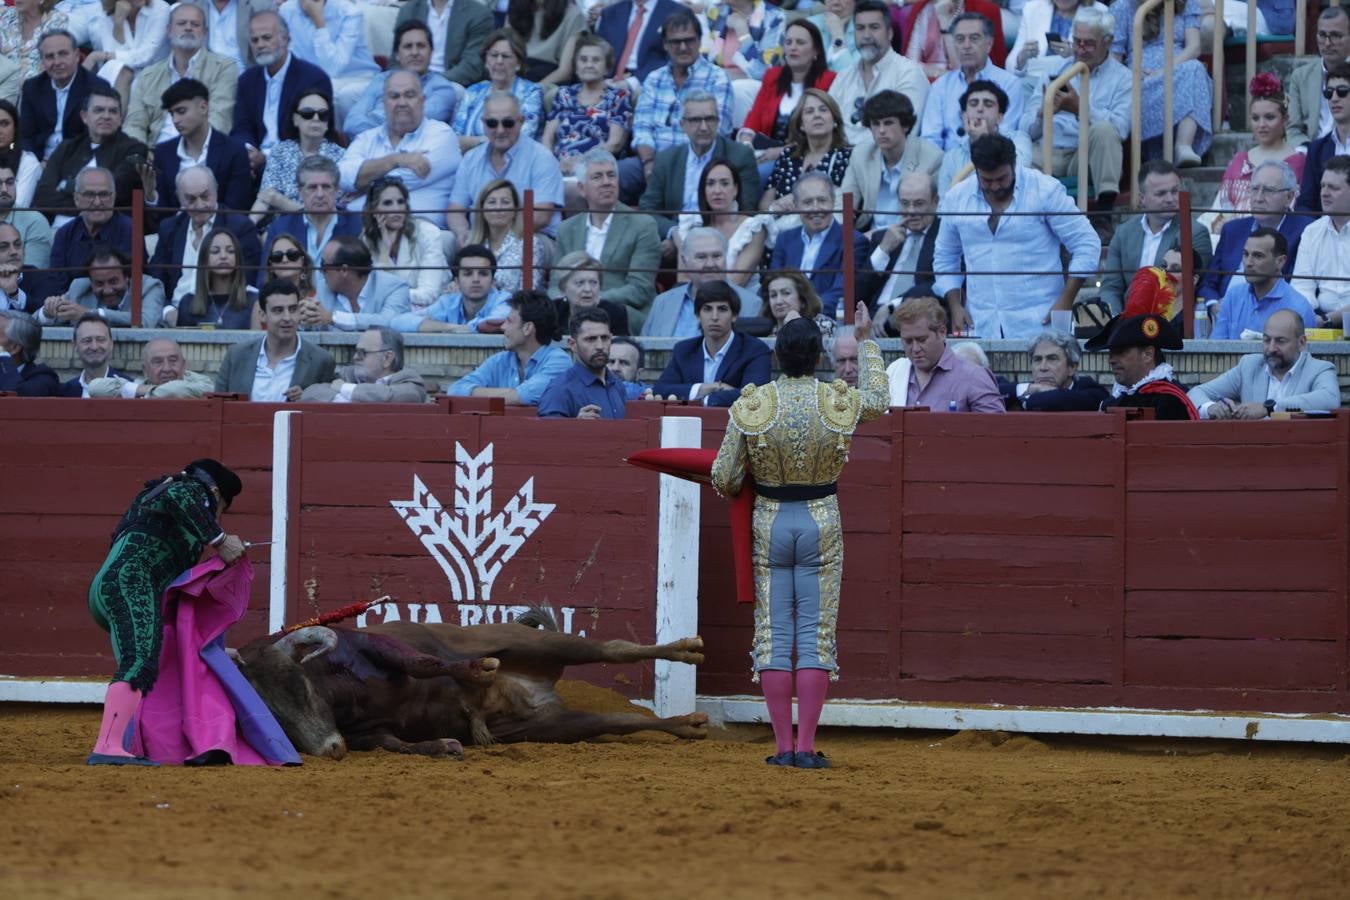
686 161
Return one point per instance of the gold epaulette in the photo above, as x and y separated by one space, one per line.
757 409
839 406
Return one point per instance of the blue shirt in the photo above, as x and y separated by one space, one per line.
501 370
686 323
529 164
942 111
449 308
656 122
579 386
1241 311
440 98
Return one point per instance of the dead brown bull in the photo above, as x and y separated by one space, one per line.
429 689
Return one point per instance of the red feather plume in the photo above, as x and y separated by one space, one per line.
1151 293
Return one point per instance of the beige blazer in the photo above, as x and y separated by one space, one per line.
145 115
1304 92
862 179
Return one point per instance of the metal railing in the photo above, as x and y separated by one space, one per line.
1084 123
1137 73
1218 51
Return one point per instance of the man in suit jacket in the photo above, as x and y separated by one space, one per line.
1308 110
648 55
876 167
352 296
703 259
256 122
20 372
459 28
901 256
197 216
93 343
189 58
673 184
40 126
103 143
630 249
22 286
817 248
1328 145
96 226
188 102
1283 376
288 364
376 374
106 292
231 43
1157 228
712 368
318 220
1273 186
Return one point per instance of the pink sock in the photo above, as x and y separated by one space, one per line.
115 735
777 687
811 687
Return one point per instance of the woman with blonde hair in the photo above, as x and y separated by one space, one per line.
499 223
579 280
404 245
222 297
816 140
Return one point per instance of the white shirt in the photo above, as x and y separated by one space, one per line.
711 363
1149 252
186 159
187 278
596 237
438 23
56 137
892 72
272 103
1323 251
428 197
1342 147
693 171
222 29
811 244
269 384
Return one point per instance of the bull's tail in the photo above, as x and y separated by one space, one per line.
538 617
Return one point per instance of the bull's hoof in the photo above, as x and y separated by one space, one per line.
452 749
687 650
693 727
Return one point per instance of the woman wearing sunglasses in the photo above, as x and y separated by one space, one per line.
286 259
307 131
504 60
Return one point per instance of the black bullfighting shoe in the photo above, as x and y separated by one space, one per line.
781 759
805 759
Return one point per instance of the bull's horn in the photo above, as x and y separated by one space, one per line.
326 638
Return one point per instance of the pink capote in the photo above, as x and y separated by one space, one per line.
193 707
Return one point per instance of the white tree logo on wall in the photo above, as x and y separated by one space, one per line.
470 543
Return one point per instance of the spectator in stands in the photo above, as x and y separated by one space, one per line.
279 365
333 32
627 245
269 89
1004 305
592 113
31 225
1190 83
376 374
658 121
901 255
577 276
1268 117
1045 37
789 294
182 235
874 172
1055 384
11 79
473 304
221 296
27 169
458 33
844 357
422 152
626 361
188 102
1144 379
927 27
504 59
548 31
1309 111
20 372
712 367
96 225
1110 98
285 259
587 389
633 30
22 27
818 246
983 107
188 58
879 69
835 25
531 361
319 220
783 88
815 141
1273 186
1283 376
105 290
228 30
675 177
353 295
744 38
930 374
102 144
511 155
1336 142
412 53
1322 271
166 376
1141 240
499 224
132 37
720 201
973 36
51 104
406 246
307 131
22 286
92 340
703 258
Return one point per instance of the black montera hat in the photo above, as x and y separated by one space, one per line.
1149 330
225 480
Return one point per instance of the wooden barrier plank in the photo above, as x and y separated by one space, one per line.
1240 514
936 656
1241 699
1221 664
1006 559
1032 426
1258 467
1024 609
1199 564
994 459
1274 433
1287 615
1017 509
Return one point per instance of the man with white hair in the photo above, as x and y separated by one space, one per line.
20 372
267 91
817 246
1055 385
703 258
376 374
1274 187
165 376
844 357
181 235
188 57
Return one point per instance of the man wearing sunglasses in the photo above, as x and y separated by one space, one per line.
1335 142
1309 114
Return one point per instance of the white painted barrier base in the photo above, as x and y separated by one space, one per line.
38 690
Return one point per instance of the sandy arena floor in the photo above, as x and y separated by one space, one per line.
906 814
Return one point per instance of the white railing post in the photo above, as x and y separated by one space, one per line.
677 570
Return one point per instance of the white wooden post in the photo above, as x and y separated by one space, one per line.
677 570
281 496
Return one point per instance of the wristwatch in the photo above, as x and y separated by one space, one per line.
1270 407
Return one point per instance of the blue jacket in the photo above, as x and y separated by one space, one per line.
225 157
613 27
828 276
166 264
748 361
37 110
1228 255
1320 153
251 97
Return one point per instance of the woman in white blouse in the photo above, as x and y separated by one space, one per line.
134 34
401 244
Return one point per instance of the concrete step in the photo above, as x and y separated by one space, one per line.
1203 184
1226 146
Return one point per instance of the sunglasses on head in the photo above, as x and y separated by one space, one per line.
277 256
1340 90
503 123
308 114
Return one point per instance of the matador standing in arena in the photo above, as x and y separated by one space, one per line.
792 437
162 535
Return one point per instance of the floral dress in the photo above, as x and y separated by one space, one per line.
757 51
283 160
1192 89
583 128
788 169
469 114
25 53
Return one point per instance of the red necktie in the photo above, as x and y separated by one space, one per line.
634 29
